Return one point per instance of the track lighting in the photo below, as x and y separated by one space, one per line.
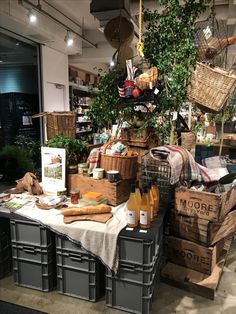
69 39
31 16
114 59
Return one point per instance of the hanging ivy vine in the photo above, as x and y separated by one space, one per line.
169 45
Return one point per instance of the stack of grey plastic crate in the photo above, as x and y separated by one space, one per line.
79 274
5 248
134 286
33 255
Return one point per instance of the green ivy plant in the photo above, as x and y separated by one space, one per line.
169 45
107 106
76 150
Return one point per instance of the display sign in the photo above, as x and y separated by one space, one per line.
53 169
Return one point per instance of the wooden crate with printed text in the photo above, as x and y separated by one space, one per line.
204 205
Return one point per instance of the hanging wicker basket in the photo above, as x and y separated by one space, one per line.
210 87
126 165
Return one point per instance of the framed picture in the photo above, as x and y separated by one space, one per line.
53 168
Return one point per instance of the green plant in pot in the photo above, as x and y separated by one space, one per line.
14 163
76 150
169 45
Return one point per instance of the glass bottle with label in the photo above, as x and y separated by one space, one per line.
133 212
138 196
156 196
145 217
151 200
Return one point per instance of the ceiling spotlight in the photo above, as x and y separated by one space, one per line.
69 39
114 59
1 60
31 16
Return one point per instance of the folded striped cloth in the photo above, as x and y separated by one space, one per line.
183 166
93 159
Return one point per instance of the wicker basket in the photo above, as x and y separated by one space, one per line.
210 88
59 123
188 140
126 165
144 80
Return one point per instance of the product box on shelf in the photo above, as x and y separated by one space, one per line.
193 255
116 193
79 274
205 205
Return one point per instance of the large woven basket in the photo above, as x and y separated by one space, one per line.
210 87
59 123
126 165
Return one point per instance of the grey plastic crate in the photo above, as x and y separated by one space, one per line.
141 274
34 266
5 254
129 295
63 242
30 232
135 248
79 274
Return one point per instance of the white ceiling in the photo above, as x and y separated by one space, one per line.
92 50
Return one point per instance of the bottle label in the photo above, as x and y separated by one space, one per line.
131 217
143 217
151 211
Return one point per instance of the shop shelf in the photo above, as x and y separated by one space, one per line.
79 274
31 232
130 295
34 266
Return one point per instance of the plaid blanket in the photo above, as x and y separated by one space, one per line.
93 159
183 166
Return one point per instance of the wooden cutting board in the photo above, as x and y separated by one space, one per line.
95 217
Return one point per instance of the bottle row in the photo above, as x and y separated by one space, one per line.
143 207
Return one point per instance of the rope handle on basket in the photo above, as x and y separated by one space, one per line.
113 142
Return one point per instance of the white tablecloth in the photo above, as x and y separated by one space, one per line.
98 238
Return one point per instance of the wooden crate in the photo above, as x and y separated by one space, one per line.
193 255
194 281
116 193
209 206
202 231
145 138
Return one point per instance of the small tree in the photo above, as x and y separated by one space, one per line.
169 45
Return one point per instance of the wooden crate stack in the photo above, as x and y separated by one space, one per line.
201 230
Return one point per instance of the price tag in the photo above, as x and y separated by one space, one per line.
156 91
129 229
142 231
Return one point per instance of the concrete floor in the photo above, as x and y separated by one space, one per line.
170 300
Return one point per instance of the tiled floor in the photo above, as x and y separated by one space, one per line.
170 300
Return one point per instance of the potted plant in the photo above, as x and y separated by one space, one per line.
169 45
76 150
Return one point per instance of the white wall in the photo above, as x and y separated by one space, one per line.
55 81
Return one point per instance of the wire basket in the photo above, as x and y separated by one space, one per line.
160 171
211 38
210 87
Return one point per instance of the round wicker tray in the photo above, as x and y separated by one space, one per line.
47 207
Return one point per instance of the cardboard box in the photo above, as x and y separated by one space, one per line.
205 205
